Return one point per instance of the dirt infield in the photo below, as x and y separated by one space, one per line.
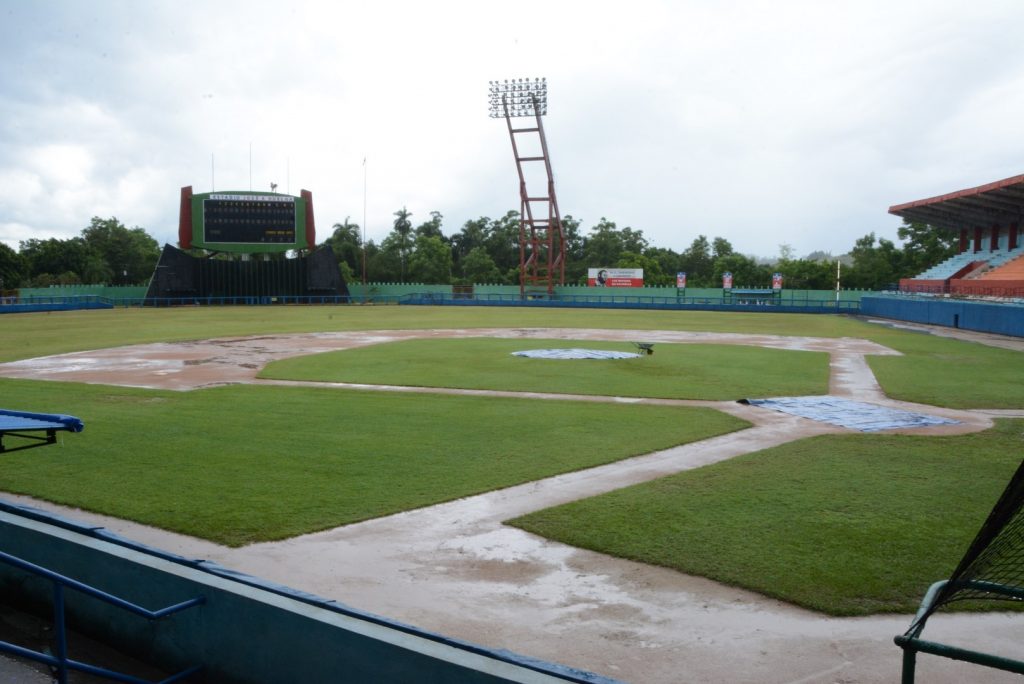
455 568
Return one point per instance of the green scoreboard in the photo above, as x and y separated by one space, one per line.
246 221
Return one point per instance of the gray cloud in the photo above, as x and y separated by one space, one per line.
762 122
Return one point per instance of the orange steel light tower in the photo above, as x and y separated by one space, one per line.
541 241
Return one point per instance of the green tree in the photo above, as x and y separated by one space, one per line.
606 243
875 267
473 234
126 256
431 228
697 262
807 274
478 268
502 243
431 261
383 262
925 246
13 268
51 261
653 274
721 247
575 266
745 271
346 244
402 240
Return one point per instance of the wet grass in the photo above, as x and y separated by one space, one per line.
932 370
943 372
243 464
674 371
846 525
40 334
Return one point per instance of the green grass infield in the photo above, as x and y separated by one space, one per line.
242 464
846 525
674 371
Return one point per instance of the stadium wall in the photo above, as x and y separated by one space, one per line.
384 292
999 318
370 290
247 630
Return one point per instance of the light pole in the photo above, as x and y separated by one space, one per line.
541 241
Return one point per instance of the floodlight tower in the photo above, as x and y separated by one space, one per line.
541 241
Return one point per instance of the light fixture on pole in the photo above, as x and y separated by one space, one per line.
541 240
520 97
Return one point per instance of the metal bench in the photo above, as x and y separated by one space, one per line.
26 425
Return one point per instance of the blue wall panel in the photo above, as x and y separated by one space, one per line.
1003 319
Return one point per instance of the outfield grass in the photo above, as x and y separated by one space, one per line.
675 371
932 370
39 334
942 372
847 525
242 464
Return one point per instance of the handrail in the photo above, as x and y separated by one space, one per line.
60 660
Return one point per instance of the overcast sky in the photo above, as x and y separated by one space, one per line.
761 122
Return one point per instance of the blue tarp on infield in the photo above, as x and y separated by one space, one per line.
575 354
856 415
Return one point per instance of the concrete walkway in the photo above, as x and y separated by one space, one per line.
455 568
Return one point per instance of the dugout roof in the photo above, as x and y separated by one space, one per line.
998 203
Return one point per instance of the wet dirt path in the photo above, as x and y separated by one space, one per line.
455 568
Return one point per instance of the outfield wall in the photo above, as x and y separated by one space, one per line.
385 291
247 630
371 290
989 317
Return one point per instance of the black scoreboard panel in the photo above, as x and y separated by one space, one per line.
249 219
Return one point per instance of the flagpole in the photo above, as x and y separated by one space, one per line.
364 221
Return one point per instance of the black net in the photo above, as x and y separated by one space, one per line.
993 567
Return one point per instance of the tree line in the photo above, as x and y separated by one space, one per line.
486 251
106 252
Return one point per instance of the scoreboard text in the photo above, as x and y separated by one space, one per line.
249 219
246 222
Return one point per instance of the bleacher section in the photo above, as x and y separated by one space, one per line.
998 273
1011 268
948 268
986 223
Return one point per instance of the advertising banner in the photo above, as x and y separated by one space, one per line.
776 281
681 280
615 277
727 280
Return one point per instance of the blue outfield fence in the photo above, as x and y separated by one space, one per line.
1001 318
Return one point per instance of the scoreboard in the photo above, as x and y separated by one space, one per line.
247 222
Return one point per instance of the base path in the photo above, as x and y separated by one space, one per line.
456 569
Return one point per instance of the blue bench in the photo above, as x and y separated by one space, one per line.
25 425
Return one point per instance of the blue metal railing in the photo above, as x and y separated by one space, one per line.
780 304
59 660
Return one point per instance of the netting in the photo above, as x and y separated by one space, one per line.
993 567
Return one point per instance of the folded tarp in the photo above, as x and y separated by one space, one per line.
856 415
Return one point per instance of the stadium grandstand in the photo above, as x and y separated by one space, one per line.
987 219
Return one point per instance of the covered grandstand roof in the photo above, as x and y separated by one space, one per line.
1000 202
